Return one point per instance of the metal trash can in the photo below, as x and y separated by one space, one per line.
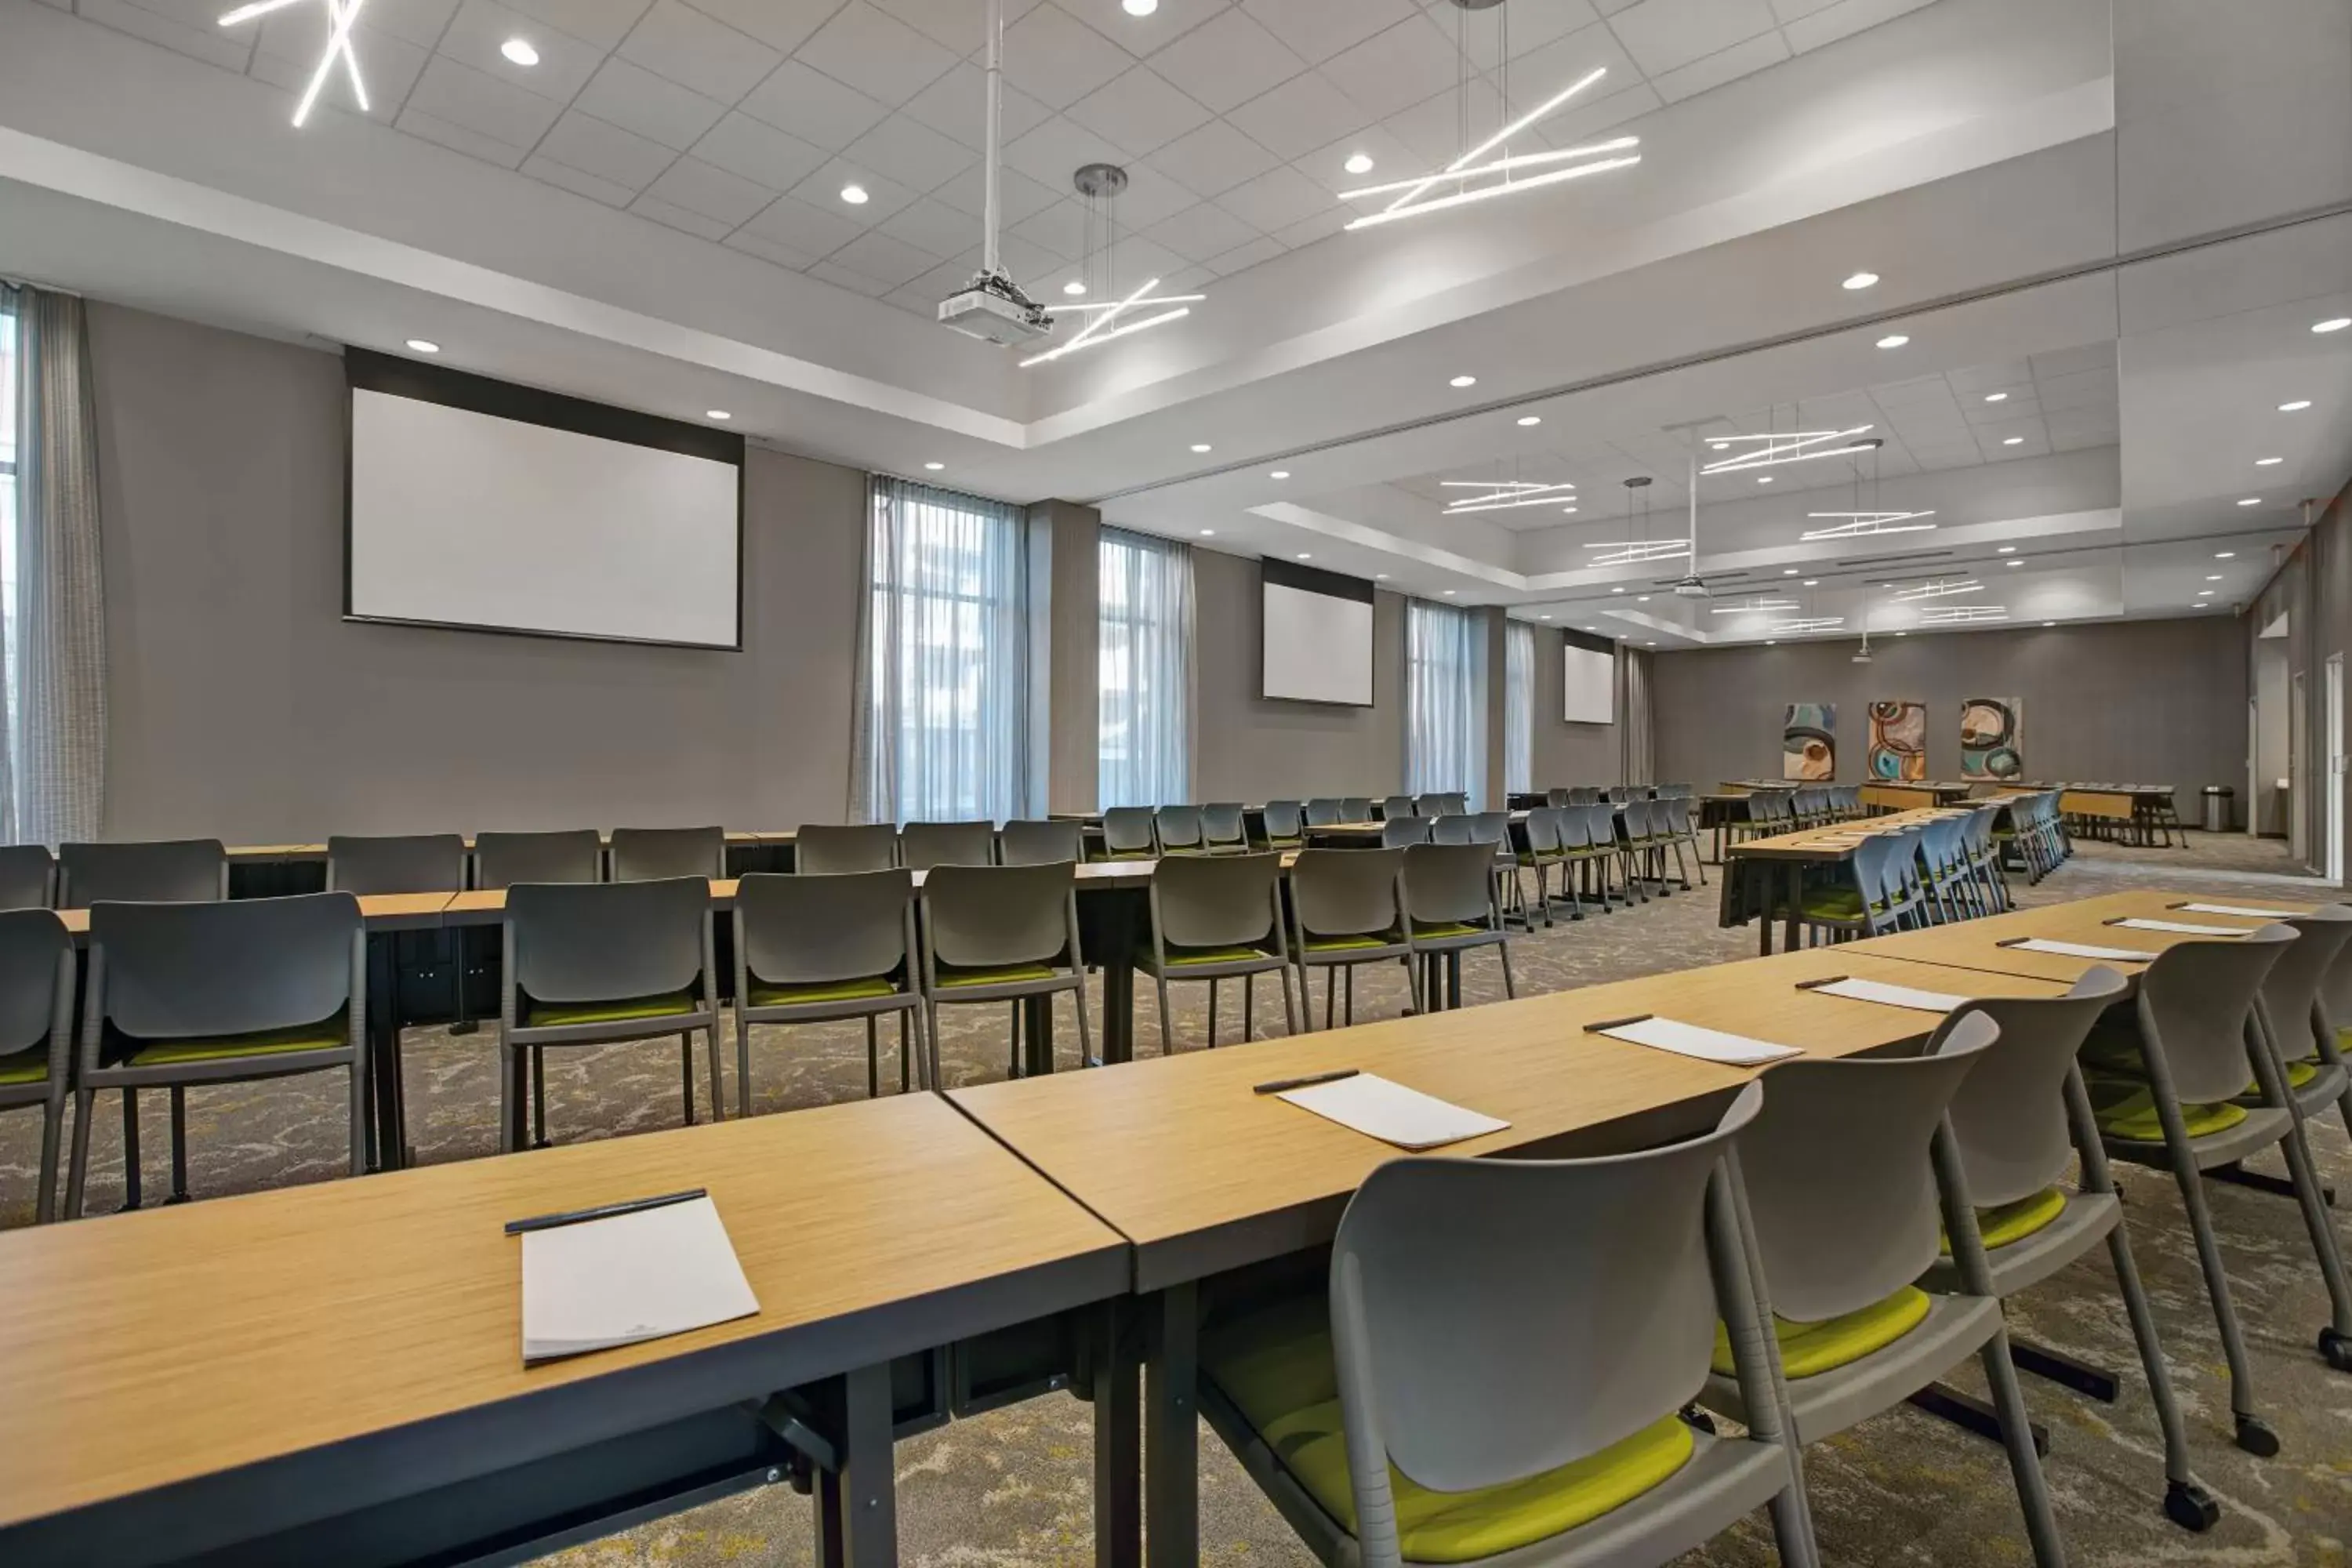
2215 817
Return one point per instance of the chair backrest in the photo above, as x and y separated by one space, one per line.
1876 870
1356 808
1495 1318
1346 892
1283 820
1575 828
1449 881
992 915
1324 810
1636 817
2292 987
1397 832
179 870
1216 901
1221 823
33 941
2010 1114
601 942
1433 804
2195 999
1178 827
1038 843
1559 797
412 863
1450 829
176 970
1490 827
922 845
811 927
1840 1177
1583 794
27 877
1128 830
1539 833
831 846
1399 806
652 854
504 859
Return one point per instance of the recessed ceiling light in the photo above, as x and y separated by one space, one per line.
425 346
1464 381
2252 500
1280 474
1770 641
2006 550
1200 446
2204 592
1567 510
2049 623
1862 281
1073 288
1813 582
1616 590
1640 598
2223 554
1892 341
2012 563
1379 576
2014 441
1208 534
854 195
1788 571
2332 324
1449 593
1304 556
2268 462
935 467
521 51
1996 397
2297 406
719 414
1139 7
1531 419
1359 164
1652 642
1763 479
1902 633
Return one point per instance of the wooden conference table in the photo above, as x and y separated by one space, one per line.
1978 945
1750 865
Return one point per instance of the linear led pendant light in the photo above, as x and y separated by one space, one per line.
1862 524
1943 589
1753 606
1810 624
1774 447
1097 185
340 14
1963 614
1637 547
1503 495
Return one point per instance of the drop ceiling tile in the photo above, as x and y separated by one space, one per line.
811 231
813 106
1200 232
1789 10
598 147
2083 389
959 25
1431 129
1534 24
1662 35
932 225
876 53
634 99
1578 123
1138 112
710 192
1135 261
389 65
461 96
1212 160
1830 22
418 22
1394 70
1392 159
855 282
678 219
474 36
457 138
768 251
910 153
604 23
1017 196
1027 262
2001 375
2065 362
1276 199
1141 36
1302 114
681 44
944 279
759 152
1226 61
2020 403
957 106
539 166
1057 59
783 24
1056 150
1307 230
883 196
1150 197
1060 230
1724 65
203 37
1317 29
883 259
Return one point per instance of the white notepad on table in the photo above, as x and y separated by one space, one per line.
1380 1108
2182 928
1690 1040
2243 911
629 1278
2081 949
1891 995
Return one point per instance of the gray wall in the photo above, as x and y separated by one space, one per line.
1068 536
2313 588
1248 749
2140 702
1567 753
242 705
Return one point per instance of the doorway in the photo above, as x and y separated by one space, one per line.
2298 770
2332 781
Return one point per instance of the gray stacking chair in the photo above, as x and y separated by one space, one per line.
819 946
1536 842
1588 841
1559 797
1450 907
1496 1369
28 876
2020 1119
830 848
1324 810
1357 808
1000 933
595 964
179 870
1583 794
1436 803
1347 908
1450 829
1846 1170
1401 806
1284 827
923 844
2291 1010
1875 901
1225 829
1672 817
505 859
1178 830
421 863
37 998
653 854
2164 1098
1023 843
1397 832
1218 918
1128 833
190 993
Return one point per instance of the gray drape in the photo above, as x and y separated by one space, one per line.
1637 757
55 755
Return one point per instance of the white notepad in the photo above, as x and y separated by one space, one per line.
2240 909
2182 928
634 1277
2081 949
1708 1044
1387 1110
1893 996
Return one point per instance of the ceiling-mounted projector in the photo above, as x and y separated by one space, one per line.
992 309
1861 657
1691 587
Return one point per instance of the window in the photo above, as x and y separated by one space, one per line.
1144 670
944 687
1445 741
1519 709
9 663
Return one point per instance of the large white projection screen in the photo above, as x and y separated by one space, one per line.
461 519
1589 686
1319 647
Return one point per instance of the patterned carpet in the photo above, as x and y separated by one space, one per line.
1014 1488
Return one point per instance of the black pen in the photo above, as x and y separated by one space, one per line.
606 1211
1281 1084
1608 1024
1816 985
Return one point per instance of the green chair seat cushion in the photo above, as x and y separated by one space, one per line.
1179 956
25 1067
1129 855
331 1034
1275 1366
1446 929
994 975
1349 944
1834 904
2006 1223
1808 1350
801 994
2298 1076
2125 1108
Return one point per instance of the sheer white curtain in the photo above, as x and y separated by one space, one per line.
1520 708
1144 670
941 726
1444 739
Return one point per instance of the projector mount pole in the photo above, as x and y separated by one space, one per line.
988 260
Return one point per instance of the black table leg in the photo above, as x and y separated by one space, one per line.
1119 1439
1037 1034
1171 1446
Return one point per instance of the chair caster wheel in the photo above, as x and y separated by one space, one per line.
2190 1507
2255 1436
1699 1420
2335 1349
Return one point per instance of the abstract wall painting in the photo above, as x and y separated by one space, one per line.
1809 743
1898 741
1991 738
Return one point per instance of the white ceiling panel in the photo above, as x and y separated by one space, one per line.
784 25
597 147
1302 114
814 107
1057 59
679 218
905 150
1138 112
710 193
1226 61
752 150
1212 160
1395 69
473 39
1317 29
876 53
679 42
1662 35
656 108
462 96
